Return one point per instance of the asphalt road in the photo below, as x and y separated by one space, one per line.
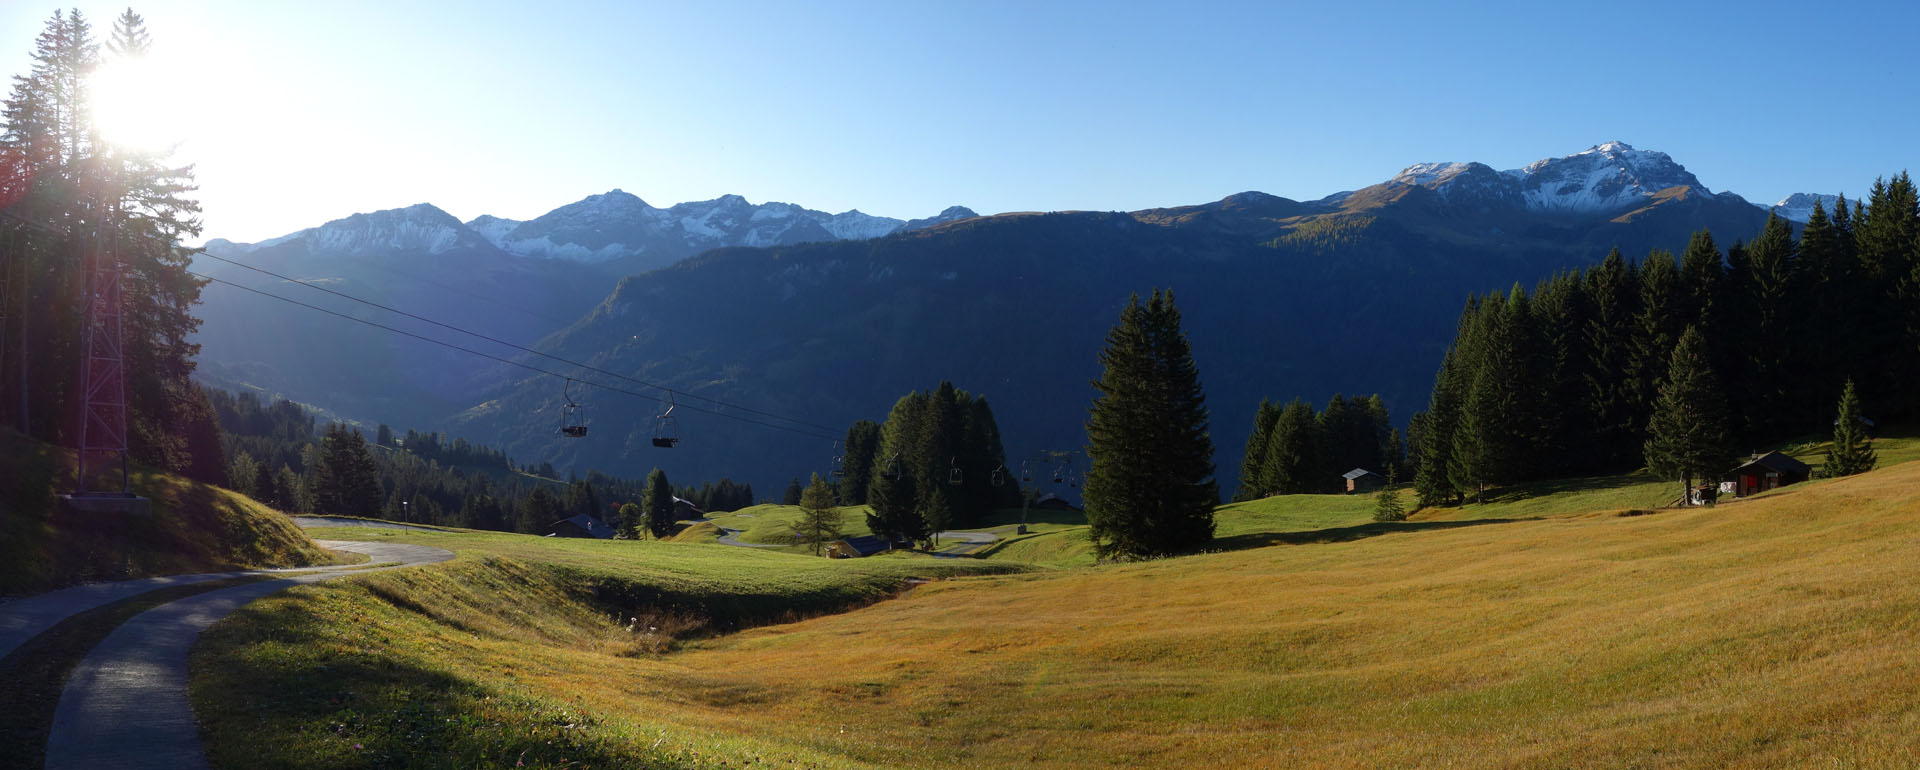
125 705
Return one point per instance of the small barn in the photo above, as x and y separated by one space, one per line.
856 547
1363 480
1052 502
1768 471
582 526
685 510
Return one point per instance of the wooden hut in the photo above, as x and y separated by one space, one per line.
856 547
1363 480
1768 471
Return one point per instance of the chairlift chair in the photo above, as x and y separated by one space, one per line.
891 471
1000 475
953 473
666 429
839 462
1026 471
573 419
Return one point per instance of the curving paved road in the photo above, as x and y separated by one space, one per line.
971 541
125 705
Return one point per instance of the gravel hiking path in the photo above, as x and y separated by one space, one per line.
308 522
125 705
971 541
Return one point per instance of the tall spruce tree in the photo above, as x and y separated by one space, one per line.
656 504
1614 288
1852 451
1292 465
1768 397
856 461
1150 489
1687 437
1263 419
345 481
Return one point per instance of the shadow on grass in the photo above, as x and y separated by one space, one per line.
1342 534
1548 488
284 687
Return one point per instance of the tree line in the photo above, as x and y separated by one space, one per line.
935 463
1295 450
68 198
281 457
1568 379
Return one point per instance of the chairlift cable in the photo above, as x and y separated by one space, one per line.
498 341
509 361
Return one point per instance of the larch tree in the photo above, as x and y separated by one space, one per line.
1687 436
1150 488
819 523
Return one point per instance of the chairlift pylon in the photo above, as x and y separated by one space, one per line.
666 430
573 419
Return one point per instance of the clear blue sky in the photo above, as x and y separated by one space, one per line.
299 115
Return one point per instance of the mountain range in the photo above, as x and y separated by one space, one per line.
830 317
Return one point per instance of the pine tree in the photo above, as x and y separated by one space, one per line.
892 502
1614 288
656 503
936 513
1687 436
1263 419
1386 504
346 483
819 523
792 496
631 517
1772 367
1852 451
1150 489
856 463
1292 465
1657 326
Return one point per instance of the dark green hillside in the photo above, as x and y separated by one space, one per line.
1279 297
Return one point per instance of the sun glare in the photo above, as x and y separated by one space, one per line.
133 105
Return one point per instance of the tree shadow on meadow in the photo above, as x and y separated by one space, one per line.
1342 534
1551 487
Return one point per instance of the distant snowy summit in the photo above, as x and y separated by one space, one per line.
617 224
1603 179
1798 207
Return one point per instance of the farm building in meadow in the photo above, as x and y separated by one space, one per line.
1768 471
1052 502
685 510
1363 480
856 547
582 526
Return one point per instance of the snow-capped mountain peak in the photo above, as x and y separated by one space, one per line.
420 228
1798 207
1603 178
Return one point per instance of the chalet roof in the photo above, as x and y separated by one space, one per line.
1776 462
866 545
588 524
1358 473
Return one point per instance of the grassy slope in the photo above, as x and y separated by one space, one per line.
489 660
194 528
1774 632
1768 633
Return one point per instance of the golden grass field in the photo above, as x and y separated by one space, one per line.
1777 632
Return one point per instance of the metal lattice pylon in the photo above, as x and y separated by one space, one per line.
103 431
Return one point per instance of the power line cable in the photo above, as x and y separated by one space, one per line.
511 362
522 348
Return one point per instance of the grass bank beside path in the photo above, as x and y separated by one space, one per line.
508 655
194 528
